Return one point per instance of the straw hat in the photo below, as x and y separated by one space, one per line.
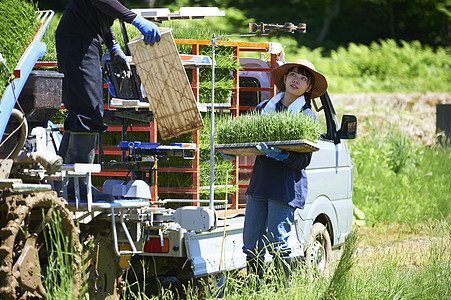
320 82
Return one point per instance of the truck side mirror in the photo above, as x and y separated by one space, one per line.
348 128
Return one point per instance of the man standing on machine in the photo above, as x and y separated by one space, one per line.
84 27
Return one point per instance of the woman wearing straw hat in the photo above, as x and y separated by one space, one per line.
278 184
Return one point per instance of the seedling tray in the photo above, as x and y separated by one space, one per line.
35 50
166 84
247 149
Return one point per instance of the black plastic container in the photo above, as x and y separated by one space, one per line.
40 98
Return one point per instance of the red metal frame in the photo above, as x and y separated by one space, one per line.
235 109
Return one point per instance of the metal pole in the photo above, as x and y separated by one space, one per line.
212 124
212 116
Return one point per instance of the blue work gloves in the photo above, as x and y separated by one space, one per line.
148 29
272 152
228 156
119 62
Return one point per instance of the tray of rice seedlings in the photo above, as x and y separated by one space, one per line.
296 132
18 24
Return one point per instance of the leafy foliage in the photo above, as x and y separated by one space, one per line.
388 66
17 26
329 23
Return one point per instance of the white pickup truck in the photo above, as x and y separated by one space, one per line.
171 249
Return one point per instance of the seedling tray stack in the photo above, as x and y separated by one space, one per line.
35 50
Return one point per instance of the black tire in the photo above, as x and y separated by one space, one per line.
212 285
319 248
103 272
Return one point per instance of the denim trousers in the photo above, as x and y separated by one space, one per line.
267 227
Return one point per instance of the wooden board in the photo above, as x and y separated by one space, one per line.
245 149
166 85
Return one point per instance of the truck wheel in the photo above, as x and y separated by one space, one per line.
211 285
103 271
29 245
319 248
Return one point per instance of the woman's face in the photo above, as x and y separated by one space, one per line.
296 83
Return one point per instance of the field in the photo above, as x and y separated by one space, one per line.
402 183
385 261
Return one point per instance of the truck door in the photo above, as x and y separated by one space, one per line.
330 174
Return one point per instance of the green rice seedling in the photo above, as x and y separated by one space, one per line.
18 23
60 274
221 168
49 40
256 127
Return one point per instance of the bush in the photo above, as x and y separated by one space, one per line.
386 66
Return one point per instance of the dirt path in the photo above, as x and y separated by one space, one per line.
413 113
409 248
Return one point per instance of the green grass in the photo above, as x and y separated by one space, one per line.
396 180
391 272
362 273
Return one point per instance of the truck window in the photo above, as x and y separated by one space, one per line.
319 112
249 98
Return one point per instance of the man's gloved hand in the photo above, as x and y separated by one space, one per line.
148 29
272 152
121 66
228 156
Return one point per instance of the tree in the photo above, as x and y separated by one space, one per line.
331 23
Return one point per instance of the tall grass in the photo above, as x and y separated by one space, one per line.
398 181
339 283
361 273
400 273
